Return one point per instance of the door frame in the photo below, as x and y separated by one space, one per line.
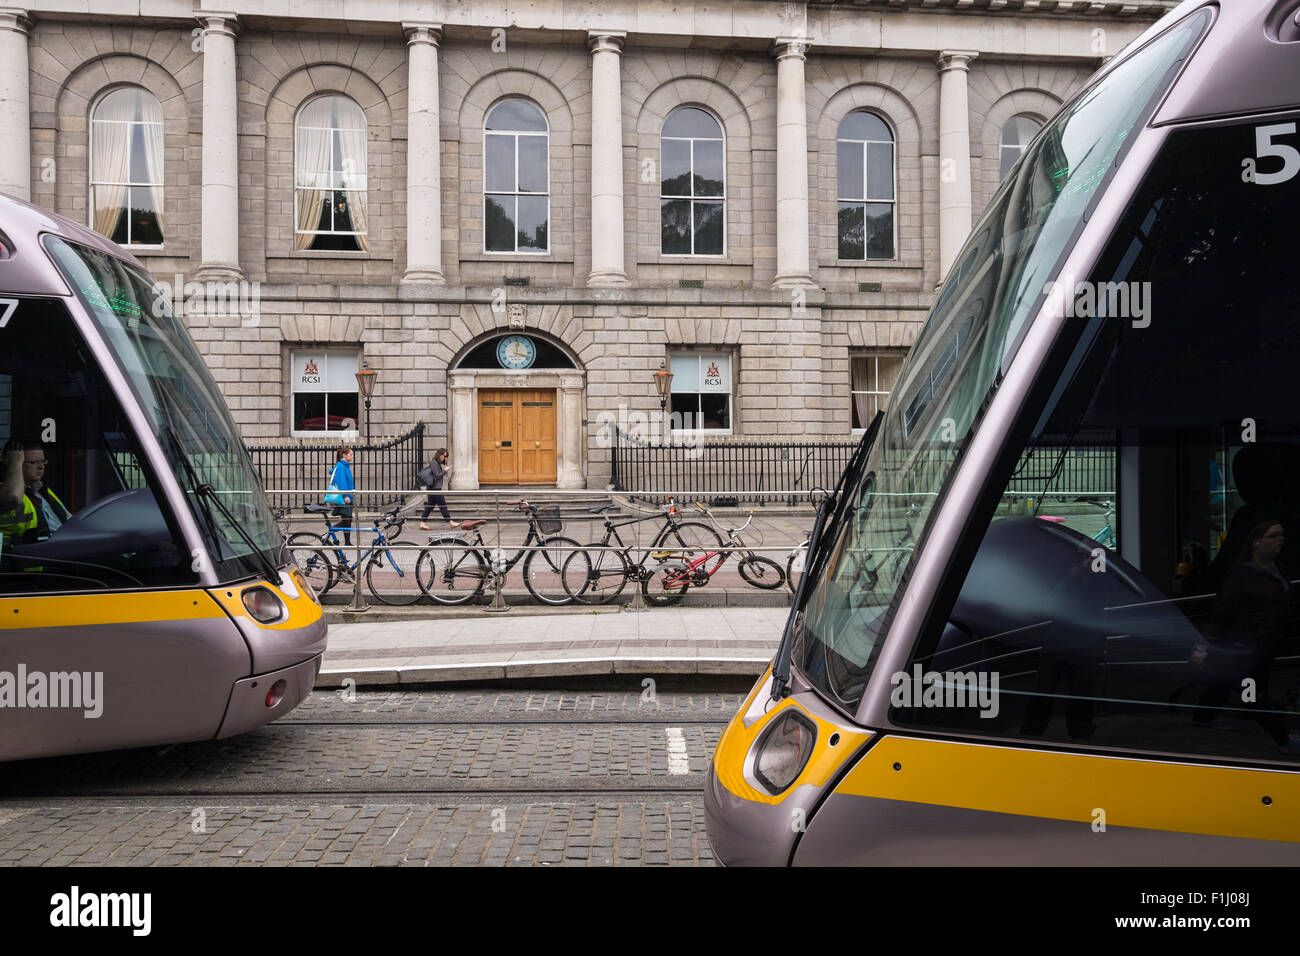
570 415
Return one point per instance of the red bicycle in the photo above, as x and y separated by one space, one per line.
757 570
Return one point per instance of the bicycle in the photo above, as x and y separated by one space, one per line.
453 569
388 561
756 570
599 576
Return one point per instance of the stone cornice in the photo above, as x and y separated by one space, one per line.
1150 9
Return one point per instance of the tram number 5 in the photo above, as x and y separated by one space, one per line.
7 307
1266 148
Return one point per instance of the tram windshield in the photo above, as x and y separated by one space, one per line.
997 283
187 412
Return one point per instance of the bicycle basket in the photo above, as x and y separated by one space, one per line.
548 519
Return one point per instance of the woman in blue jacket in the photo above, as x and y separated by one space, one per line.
341 478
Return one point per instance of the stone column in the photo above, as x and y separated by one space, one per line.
954 156
15 104
606 160
463 453
423 156
220 215
569 472
792 269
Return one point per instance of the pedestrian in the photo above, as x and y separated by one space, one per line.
431 479
340 481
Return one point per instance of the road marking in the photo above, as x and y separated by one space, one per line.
679 761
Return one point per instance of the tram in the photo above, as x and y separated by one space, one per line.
975 671
145 596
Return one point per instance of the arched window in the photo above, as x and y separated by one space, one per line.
867 194
693 193
1016 134
330 175
516 179
126 167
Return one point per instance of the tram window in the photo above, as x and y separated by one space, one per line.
77 505
1138 584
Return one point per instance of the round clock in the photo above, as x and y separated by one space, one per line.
516 351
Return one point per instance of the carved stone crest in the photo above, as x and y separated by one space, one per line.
517 313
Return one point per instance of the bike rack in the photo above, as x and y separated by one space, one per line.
358 604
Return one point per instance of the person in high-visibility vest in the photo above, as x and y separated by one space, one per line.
42 513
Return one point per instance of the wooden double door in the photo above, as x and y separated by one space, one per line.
516 436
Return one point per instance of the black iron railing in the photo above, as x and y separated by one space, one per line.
771 471
299 465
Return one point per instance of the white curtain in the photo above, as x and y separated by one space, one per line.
109 158
352 160
311 166
151 115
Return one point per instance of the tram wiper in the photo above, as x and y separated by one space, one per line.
815 560
267 567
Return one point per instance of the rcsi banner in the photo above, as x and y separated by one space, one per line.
715 373
309 372
325 371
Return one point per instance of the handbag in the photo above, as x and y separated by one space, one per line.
332 494
425 477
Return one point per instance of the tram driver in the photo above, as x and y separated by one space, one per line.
40 512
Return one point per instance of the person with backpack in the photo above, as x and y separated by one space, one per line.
432 478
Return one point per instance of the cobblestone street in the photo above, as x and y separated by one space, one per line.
497 777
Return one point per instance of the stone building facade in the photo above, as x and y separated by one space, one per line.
772 330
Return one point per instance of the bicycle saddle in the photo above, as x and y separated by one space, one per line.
472 524
317 509
600 510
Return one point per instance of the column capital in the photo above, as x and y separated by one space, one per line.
606 41
223 22
16 19
790 47
955 59
421 32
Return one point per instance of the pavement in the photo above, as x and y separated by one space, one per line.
483 645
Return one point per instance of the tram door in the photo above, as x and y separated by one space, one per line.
517 436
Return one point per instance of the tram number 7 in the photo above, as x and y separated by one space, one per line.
8 305
1265 147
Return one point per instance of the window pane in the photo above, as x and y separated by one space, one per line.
516 115
343 211
351 170
145 229
708 228
709 171
715 410
880 231
532 164
675 215
342 411
532 225
861 125
689 121
685 410
850 170
852 226
139 155
880 171
110 212
676 157
499 224
685 367
309 411
88 518
499 152
1007 157
864 373
313 155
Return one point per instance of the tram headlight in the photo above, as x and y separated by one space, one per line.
783 750
263 604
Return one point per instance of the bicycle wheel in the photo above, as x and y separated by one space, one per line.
451 571
594 577
761 572
666 584
544 570
390 573
794 567
313 560
692 540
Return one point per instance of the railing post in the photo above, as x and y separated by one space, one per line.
357 603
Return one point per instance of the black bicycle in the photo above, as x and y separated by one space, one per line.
598 573
454 569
